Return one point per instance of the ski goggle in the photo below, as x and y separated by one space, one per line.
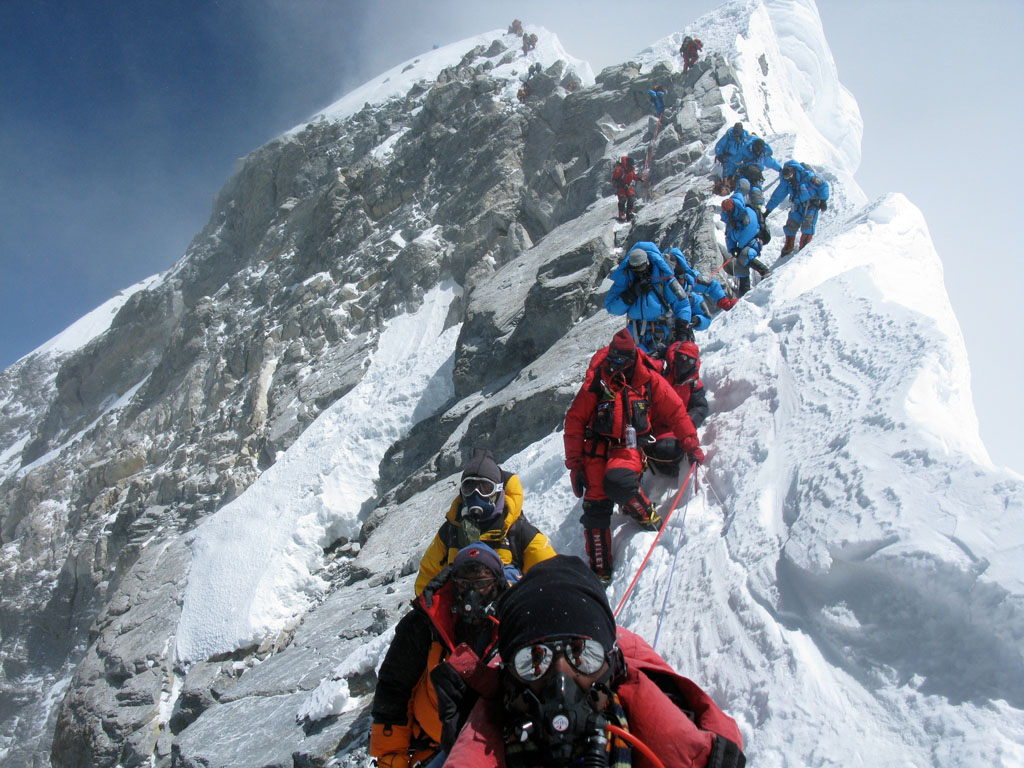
584 654
618 362
481 584
482 485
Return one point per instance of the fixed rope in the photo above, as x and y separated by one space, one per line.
649 158
672 570
675 502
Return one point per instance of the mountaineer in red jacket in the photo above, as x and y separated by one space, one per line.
682 371
624 175
571 691
622 397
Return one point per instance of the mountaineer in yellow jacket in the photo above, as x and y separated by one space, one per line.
489 508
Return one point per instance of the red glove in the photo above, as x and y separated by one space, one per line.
578 478
726 302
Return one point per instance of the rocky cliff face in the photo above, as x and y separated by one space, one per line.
114 452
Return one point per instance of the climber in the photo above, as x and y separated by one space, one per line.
488 508
645 290
656 96
808 193
741 238
624 177
690 51
516 28
567 673
606 426
529 42
727 152
754 156
700 289
682 371
453 610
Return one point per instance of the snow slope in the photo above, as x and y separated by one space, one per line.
846 580
254 561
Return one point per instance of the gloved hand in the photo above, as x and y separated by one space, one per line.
726 302
645 286
696 456
578 478
683 330
822 205
735 252
631 294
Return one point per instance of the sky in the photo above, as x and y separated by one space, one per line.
120 121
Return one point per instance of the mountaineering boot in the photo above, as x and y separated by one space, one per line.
762 270
596 519
744 287
599 552
805 239
643 511
789 246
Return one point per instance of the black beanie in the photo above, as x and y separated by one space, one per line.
482 464
559 596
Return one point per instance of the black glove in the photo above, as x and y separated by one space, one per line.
631 294
683 330
578 478
645 286
822 205
735 252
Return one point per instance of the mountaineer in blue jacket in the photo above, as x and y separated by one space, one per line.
727 152
700 289
807 192
657 98
755 155
741 238
645 290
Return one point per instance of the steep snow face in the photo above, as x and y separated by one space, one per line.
254 561
512 67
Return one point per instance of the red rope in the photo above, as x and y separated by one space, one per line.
647 751
664 525
723 264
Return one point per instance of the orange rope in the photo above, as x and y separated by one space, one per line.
641 747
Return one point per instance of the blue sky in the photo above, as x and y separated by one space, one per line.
120 121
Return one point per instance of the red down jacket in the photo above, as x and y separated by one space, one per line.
652 716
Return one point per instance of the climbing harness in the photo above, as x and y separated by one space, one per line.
675 503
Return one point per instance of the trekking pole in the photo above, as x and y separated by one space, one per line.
675 502
672 570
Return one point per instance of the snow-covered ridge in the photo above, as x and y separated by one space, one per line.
510 65
94 323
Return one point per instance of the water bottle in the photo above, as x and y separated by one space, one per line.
630 437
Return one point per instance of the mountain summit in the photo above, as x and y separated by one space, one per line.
215 489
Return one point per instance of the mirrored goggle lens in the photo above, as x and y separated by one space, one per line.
480 485
584 654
